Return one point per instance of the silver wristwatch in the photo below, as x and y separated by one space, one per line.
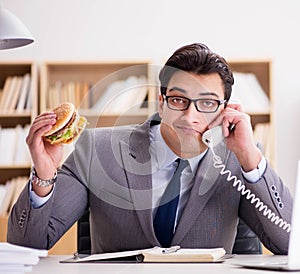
40 182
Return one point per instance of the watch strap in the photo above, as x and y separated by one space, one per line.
40 182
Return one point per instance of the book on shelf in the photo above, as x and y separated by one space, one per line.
22 154
248 90
262 134
15 94
156 254
7 145
8 96
28 104
121 96
19 184
13 146
72 91
24 92
5 91
11 192
6 201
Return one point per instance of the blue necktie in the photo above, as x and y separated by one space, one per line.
165 216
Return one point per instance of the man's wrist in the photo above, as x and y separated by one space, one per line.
41 182
39 200
254 175
250 161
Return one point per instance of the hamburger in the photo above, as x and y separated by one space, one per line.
69 125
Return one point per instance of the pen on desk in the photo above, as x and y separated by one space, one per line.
171 249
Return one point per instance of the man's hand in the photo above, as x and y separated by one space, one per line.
46 157
240 140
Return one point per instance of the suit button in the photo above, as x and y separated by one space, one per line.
22 218
273 188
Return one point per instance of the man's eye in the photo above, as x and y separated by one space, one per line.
178 101
208 103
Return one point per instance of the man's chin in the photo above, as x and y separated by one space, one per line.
190 144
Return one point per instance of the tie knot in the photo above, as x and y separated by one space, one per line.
182 164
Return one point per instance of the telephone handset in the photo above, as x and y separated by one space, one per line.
212 138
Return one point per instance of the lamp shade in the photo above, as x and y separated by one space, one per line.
13 33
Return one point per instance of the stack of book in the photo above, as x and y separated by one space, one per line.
74 92
13 146
262 134
18 259
121 96
15 97
10 192
250 93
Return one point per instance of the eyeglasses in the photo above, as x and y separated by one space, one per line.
181 103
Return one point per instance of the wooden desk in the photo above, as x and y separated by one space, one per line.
51 265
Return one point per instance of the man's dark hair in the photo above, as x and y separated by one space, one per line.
199 59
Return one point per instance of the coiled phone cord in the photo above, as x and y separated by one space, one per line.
237 183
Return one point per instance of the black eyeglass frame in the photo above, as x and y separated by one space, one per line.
220 102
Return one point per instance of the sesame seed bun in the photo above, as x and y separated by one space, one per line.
64 113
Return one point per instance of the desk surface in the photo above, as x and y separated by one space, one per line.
52 265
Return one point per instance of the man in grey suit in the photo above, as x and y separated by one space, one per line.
121 173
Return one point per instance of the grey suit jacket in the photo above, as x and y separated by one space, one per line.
110 173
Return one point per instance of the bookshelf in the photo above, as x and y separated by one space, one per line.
10 116
262 119
14 113
16 69
106 93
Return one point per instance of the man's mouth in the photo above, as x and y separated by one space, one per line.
189 130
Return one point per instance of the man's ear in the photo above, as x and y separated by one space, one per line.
160 105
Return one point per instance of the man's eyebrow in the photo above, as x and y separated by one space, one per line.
201 93
209 93
177 89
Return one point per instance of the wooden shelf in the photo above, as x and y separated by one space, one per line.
25 117
262 69
8 69
98 77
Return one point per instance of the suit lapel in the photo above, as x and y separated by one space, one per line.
137 165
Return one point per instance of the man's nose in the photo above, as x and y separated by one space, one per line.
192 114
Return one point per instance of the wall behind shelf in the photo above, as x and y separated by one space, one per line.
152 30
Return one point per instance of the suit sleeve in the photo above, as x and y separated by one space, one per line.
273 194
43 227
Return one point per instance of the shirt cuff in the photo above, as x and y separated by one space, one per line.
36 200
254 175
